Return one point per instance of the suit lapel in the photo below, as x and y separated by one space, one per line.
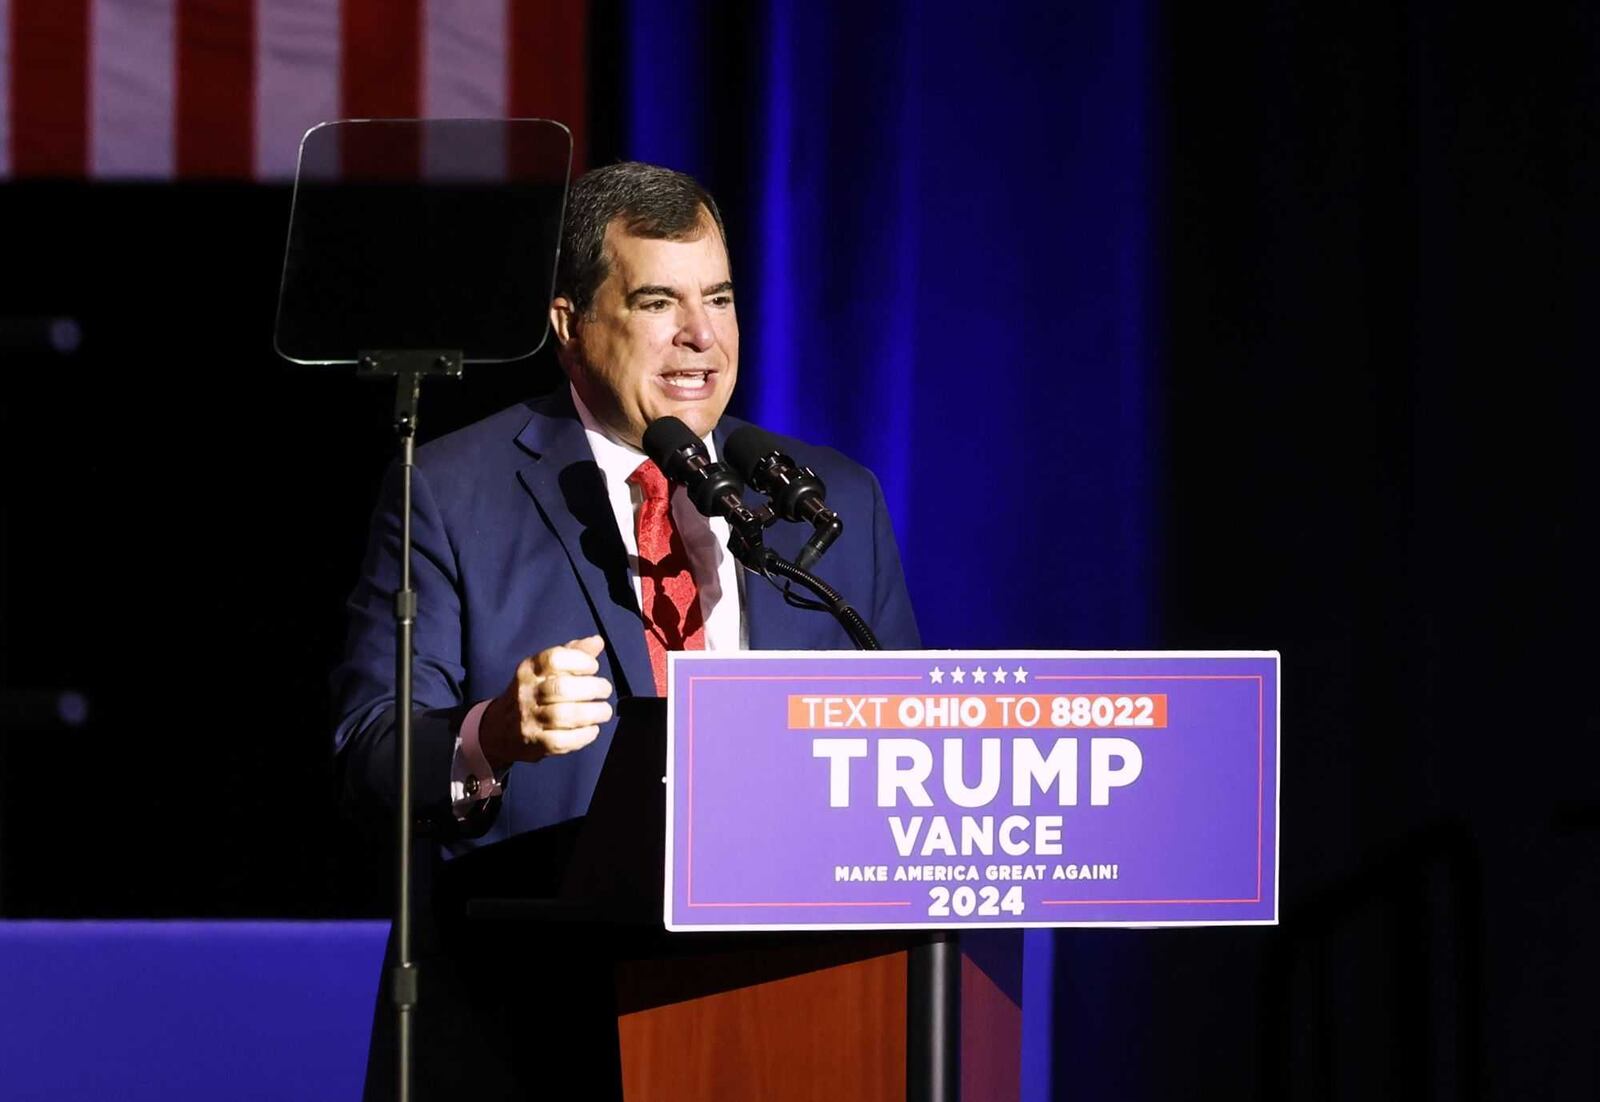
566 484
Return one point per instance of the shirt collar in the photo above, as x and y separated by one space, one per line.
617 460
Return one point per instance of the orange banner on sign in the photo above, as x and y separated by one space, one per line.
1019 711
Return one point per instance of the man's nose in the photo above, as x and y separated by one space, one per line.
696 331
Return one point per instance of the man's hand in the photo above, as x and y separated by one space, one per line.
554 705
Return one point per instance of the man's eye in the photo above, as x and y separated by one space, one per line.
722 300
655 305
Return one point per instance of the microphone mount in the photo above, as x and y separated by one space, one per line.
796 492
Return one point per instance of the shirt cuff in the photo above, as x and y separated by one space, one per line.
472 781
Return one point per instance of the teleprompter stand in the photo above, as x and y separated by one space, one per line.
433 242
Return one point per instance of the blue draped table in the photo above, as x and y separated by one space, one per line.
175 1010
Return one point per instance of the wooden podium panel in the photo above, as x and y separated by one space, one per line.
823 1018
834 1033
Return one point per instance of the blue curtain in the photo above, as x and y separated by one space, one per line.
946 271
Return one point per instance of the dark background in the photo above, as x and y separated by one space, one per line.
1367 417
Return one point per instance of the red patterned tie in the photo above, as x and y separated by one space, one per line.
667 593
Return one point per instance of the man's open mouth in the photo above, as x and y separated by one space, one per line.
688 382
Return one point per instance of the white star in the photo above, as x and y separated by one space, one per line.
958 675
1020 675
936 675
979 675
999 676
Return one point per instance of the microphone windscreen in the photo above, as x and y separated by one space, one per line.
666 440
748 446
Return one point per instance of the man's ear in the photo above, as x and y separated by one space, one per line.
563 320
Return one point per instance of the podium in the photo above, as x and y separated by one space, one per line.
842 1016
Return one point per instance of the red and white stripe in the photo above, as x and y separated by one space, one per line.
226 88
297 77
130 113
460 36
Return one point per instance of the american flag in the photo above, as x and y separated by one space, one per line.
164 89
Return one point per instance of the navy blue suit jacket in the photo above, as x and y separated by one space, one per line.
517 550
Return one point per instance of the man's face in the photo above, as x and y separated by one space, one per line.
660 338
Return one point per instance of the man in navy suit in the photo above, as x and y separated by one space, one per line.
526 566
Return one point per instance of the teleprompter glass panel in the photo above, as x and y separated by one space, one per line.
423 234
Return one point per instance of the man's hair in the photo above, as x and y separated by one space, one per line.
650 201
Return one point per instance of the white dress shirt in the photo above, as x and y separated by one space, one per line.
716 574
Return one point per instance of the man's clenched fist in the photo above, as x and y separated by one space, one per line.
554 705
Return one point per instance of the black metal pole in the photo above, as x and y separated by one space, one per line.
404 981
933 1020
408 369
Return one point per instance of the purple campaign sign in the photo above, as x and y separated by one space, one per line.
956 788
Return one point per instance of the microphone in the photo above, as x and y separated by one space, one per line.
712 486
796 492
